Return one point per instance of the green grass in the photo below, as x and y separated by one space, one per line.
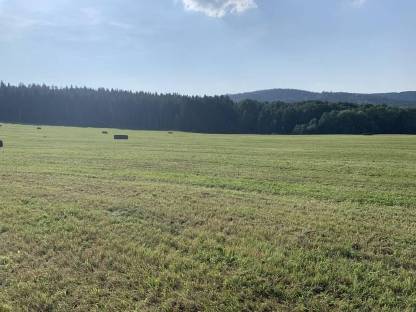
192 222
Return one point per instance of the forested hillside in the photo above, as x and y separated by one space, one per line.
35 104
400 99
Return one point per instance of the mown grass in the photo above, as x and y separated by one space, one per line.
191 222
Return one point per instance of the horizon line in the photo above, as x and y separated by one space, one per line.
191 95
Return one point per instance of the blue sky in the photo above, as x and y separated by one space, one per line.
211 46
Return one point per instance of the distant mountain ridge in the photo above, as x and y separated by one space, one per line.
405 99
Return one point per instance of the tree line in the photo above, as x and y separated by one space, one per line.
111 108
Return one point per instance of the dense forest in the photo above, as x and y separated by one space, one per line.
36 104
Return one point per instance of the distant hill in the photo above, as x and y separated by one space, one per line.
405 99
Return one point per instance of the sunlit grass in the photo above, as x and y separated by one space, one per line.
191 222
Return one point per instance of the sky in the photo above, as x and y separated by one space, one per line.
210 46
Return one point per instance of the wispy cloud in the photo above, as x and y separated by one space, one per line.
91 16
358 3
19 18
219 8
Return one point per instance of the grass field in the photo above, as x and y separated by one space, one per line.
192 222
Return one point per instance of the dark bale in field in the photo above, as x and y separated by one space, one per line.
104 132
121 137
170 132
39 128
1 144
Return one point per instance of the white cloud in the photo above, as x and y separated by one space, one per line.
219 8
